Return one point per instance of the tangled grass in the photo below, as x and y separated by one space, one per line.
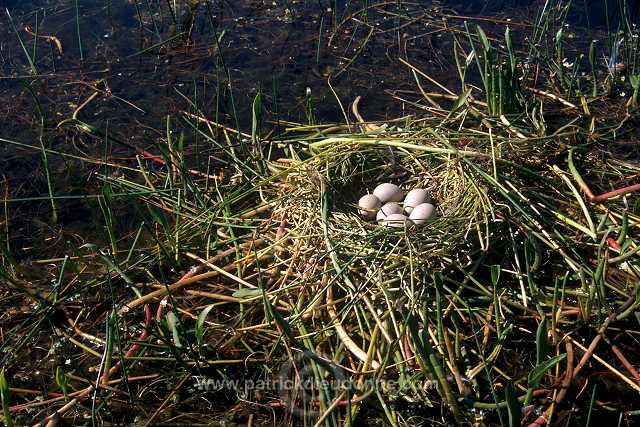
484 300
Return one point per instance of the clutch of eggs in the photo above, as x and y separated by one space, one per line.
384 207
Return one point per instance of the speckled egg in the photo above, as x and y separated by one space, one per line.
421 213
415 197
396 221
388 192
369 205
388 209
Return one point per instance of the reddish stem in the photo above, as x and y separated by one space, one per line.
566 383
614 193
625 362
133 350
161 306
613 244
157 159
587 191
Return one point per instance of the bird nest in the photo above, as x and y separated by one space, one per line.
320 238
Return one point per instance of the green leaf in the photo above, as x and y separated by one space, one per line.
537 373
107 194
110 336
285 327
462 100
514 408
483 38
159 217
543 347
200 324
559 38
256 117
421 349
112 265
469 58
61 380
495 275
461 71
247 293
5 396
507 39
172 323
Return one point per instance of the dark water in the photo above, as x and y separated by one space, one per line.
278 48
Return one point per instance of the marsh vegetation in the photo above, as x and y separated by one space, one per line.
180 240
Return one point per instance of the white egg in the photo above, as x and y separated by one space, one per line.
396 221
388 192
388 209
415 197
422 213
369 205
